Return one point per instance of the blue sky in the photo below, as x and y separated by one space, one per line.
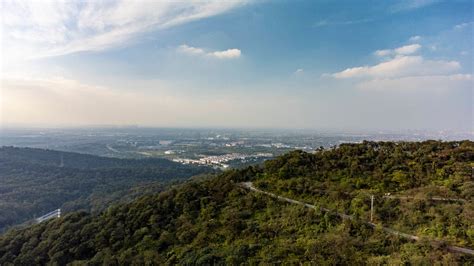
361 65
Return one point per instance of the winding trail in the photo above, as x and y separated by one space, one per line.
249 186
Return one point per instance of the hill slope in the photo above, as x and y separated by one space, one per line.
35 181
216 221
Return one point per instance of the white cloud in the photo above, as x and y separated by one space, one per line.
463 25
415 38
403 50
226 54
431 83
299 71
406 5
408 49
402 70
190 50
383 53
52 28
401 66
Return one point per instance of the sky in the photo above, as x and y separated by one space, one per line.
345 65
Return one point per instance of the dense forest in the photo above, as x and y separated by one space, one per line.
216 221
35 181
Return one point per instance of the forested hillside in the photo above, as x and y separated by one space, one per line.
216 221
425 189
35 181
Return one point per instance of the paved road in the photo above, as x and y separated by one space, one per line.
249 186
419 198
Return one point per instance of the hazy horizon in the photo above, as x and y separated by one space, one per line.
449 134
347 66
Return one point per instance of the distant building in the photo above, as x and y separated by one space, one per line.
54 214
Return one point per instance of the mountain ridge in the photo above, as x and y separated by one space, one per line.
214 221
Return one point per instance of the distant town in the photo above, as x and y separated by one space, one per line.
219 148
221 160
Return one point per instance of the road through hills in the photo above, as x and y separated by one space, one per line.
249 186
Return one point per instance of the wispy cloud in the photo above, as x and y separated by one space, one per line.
324 23
406 5
403 50
190 50
225 54
401 66
415 38
52 28
463 25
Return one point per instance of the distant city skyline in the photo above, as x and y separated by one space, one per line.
345 65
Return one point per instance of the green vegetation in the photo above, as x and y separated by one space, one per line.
214 221
343 179
35 181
